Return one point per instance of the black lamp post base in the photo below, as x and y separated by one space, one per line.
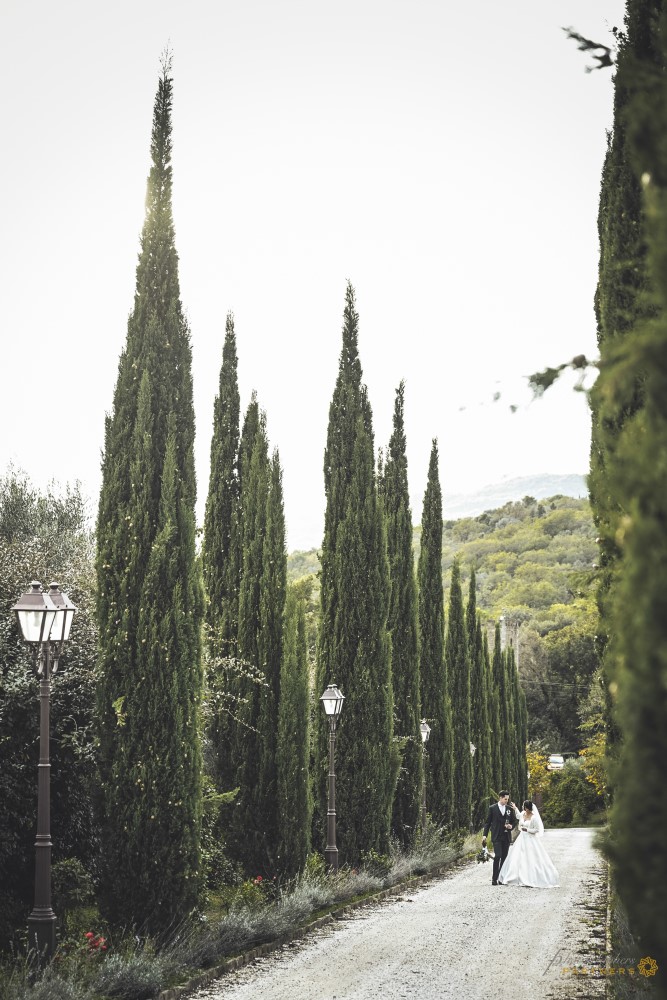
331 858
42 933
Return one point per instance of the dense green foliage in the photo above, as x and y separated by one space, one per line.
293 749
534 565
457 665
254 829
480 708
44 535
273 586
354 649
525 554
519 773
499 722
149 599
511 550
629 468
221 568
220 548
435 702
402 625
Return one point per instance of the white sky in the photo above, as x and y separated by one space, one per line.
444 157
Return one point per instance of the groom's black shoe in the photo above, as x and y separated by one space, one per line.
494 883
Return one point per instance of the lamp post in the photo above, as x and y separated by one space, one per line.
45 620
425 731
332 702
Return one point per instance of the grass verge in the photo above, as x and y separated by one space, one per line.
137 970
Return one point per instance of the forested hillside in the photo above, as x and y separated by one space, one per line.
534 563
530 557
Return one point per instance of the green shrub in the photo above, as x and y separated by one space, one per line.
50 986
137 976
376 864
72 885
315 866
569 797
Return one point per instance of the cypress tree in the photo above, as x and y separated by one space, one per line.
510 721
633 426
499 728
458 676
221 562
246 834
493 710
402 624
622 296
273 585
294 799
516 752
432 668
521 716
149 603
220 549
479 710
253 834
354 648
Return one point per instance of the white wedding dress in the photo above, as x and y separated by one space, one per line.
528 862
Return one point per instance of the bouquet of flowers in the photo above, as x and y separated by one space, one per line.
484 855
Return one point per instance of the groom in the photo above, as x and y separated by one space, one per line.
501 821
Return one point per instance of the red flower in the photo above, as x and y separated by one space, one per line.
90 935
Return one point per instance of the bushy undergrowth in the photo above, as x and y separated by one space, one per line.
137 976
140 971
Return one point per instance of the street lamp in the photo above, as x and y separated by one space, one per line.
425 731
45 620
332 701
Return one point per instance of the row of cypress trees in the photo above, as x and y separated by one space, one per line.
383 640
628 479
381 637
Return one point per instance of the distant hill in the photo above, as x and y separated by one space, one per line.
496 495
525 551
532 556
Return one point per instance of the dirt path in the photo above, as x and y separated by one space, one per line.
457 937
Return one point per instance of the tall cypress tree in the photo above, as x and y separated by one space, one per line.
246 834
221 562
622 296
273 585
149 602
458 677
492 711
432 669
293 752
479 710
512 720
220 548
402 624
631 421
499 723
520 782
354 647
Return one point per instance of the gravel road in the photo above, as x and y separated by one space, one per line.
458 937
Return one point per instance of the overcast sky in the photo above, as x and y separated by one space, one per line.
444 157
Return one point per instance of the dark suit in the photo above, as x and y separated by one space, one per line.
502 838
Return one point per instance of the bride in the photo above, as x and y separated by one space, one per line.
528 862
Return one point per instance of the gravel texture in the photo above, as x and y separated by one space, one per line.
456 937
